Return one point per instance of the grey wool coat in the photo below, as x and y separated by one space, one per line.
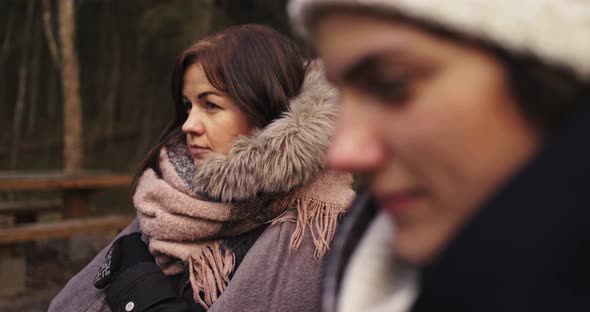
296 288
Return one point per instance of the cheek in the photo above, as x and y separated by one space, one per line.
437 139
224 129
221 139
448 125
467 139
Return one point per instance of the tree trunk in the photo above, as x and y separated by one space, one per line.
7 38
4 51
73 149
113 89
101 62
108 75
52 93
135 83
145 135
22 86
34 82
50 34
53 76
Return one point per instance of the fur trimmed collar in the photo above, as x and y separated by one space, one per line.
286 154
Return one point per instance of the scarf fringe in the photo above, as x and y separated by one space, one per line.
211 267
319 216
209 272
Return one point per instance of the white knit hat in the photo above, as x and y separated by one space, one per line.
556 31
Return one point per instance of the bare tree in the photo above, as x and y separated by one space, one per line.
7 38
52 93
111 96
110 49
50 34
34 81
22 86
6 48
70 69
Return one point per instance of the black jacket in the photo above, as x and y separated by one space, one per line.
144 287
527 249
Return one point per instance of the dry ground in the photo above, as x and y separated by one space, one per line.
47 273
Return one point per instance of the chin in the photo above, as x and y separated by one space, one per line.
413 255
415 248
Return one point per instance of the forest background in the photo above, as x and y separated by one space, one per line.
123 51
85 84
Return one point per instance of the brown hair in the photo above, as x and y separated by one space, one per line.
546 94
259 68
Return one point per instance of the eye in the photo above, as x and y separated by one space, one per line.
392 91
391 86
211 106
187 106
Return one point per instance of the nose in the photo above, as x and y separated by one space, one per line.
193 124
356 146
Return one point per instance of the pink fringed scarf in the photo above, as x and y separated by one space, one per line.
186 229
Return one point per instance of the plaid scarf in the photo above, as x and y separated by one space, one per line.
188 229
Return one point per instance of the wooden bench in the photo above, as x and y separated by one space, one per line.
75 190
30 206
75 187
66 228
28 211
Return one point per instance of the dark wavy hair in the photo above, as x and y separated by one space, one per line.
259 69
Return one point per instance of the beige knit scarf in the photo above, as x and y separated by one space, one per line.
188 229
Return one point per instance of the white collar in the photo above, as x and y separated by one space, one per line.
374 280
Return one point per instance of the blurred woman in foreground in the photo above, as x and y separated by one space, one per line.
234 199
470 119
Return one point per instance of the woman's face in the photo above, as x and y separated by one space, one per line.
213 121
430 120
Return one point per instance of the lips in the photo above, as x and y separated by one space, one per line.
197 151
400 202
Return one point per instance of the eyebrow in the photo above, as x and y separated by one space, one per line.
202 94
206 93
366 64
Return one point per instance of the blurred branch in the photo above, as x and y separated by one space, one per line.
113 89
107 73
50 34
5 49
52 93
34 81
7 38
22 86
104 25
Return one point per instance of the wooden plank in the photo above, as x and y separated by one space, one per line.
66 228
28 206
14 181
76 203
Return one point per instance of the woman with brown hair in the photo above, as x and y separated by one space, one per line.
233 201
470 121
